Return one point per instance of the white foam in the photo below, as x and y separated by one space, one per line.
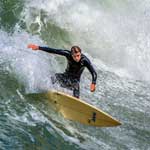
33 68
119 37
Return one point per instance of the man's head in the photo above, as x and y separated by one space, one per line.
76 53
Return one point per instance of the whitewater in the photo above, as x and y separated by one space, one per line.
113 34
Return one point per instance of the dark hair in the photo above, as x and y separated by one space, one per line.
75 49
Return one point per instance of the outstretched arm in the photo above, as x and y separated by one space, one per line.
50 50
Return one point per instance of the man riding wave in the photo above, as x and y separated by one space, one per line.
76 63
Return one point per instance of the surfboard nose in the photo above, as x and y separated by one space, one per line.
117 123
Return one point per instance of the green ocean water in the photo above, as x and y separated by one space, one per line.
113 34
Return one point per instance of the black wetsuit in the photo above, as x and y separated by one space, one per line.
71 77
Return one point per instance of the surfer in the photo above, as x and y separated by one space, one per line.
76 63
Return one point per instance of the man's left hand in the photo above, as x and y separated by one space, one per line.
93 87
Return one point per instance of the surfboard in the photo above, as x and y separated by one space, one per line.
78 110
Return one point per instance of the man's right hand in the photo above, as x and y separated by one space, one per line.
34 47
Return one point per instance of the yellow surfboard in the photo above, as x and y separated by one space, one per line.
77 110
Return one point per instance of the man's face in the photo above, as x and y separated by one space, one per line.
76 56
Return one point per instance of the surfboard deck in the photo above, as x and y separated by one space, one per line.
78 110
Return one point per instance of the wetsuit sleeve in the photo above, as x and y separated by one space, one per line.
55 51
91 70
